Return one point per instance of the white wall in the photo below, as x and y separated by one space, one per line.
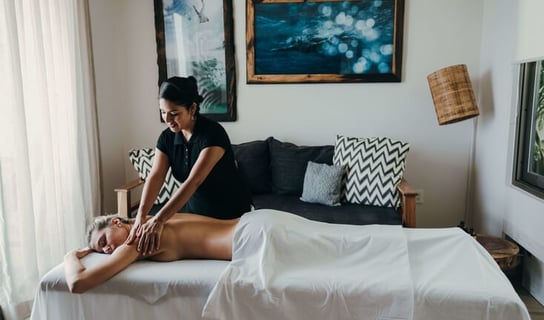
498 206
437 33
123 35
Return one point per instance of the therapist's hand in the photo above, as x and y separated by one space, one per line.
136 230
150 236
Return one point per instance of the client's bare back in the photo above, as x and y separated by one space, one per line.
191 236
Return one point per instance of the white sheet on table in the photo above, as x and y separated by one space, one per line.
453 278
145 290
288 267
456 279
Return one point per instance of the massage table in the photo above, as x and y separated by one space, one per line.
301 269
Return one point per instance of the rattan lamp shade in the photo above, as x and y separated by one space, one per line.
452 94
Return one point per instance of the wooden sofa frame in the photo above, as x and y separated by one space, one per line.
125 207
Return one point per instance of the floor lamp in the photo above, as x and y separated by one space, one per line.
454 101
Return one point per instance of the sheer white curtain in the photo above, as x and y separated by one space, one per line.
49 186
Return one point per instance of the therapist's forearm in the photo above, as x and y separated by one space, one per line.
150 192
177 201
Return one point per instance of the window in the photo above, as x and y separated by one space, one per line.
529 155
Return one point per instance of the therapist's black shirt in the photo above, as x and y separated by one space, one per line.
223 194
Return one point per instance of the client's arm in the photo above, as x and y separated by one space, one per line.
81 279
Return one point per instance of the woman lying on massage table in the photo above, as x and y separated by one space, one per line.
185 236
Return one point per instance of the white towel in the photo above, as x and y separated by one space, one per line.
288 267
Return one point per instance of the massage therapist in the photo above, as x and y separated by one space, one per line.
200 154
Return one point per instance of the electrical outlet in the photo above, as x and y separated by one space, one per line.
420 196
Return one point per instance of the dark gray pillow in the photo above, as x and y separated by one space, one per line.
322 184
288 164
254 165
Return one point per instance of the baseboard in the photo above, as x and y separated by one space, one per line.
533 276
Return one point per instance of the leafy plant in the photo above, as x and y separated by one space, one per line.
211 75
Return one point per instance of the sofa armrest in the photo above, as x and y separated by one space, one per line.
408 194
124 201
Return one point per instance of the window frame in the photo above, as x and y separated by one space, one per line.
531 80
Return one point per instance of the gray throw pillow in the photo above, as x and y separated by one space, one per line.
322 184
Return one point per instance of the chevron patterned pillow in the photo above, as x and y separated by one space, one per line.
142 160
374 168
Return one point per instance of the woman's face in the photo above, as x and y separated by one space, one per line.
111 237
175 116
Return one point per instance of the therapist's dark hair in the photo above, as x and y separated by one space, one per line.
181 91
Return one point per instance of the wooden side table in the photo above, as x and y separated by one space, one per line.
505 253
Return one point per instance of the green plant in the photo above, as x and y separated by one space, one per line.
212 76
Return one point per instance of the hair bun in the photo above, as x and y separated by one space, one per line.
192 79
185 90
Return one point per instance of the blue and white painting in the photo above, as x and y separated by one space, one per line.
348 37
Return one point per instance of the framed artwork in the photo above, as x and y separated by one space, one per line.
296 41
195 37
529 155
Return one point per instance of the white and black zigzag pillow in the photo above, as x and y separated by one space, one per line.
374 168
142 160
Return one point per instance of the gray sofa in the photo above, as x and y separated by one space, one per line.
274 172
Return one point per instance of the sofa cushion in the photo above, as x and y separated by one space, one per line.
253 163
374 168
142 160
322 184
288 164
347 213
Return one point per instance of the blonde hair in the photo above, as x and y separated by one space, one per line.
101 222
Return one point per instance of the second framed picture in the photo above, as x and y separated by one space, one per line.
195 37
296 41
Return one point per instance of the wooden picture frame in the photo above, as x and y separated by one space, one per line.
528 173
196 37
297 41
